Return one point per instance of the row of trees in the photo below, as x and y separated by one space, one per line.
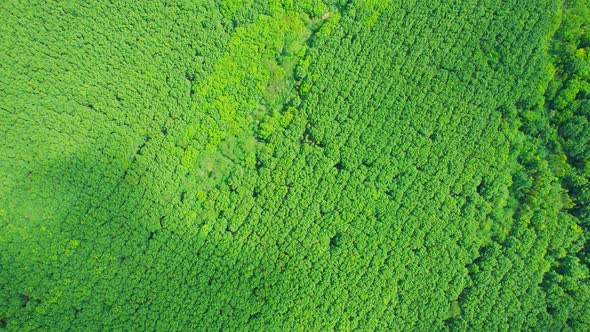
548 228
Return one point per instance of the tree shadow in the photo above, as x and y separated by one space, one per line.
98 244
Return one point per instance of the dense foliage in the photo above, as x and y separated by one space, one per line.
295 165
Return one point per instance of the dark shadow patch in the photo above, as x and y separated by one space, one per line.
368 163
481 187
76 312
142 145
24 298
253 317
310 139
190 78
335 241
233 233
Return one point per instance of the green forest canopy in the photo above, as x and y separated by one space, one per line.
295 165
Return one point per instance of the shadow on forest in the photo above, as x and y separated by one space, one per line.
107 246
